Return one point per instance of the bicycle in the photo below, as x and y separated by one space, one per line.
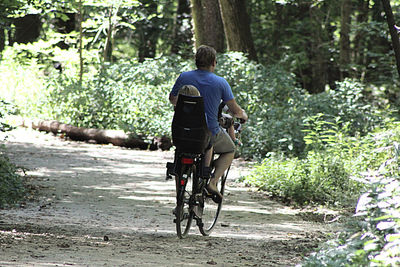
193 200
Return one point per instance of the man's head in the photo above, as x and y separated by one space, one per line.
189 90
205 57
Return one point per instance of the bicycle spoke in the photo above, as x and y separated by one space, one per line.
211 209
184 214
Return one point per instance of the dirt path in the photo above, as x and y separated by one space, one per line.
86 192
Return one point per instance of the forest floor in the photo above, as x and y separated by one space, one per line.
101 205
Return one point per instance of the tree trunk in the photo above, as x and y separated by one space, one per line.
207 21
80 42
2 40
115 137
344 60
237 27
182 31
148 33
360 42
108 47
27 28
393 32
279 23
317 53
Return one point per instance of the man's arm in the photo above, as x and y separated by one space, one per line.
236 110
173 99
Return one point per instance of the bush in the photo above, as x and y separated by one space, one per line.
347 106
272 101
11 185
5 108
373 237
133 96
279 110
128 96
321 178
331 171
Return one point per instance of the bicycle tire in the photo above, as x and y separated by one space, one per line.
211 210
183 211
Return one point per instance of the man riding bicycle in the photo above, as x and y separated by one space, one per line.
213 89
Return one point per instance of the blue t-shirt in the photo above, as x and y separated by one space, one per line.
212 88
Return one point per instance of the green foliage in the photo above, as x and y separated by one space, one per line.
5 108
11 184
309 45
281 113
348 104
331 171
7 7
133 96
272 100
21 83
373 238
320 178
129 96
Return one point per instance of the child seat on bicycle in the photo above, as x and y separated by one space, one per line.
190 133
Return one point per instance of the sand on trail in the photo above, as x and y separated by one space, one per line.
101 205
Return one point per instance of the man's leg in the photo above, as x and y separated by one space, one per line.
207 157
226 148
221 164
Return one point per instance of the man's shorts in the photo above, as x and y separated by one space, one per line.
222 142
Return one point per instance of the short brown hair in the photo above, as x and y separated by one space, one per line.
205 56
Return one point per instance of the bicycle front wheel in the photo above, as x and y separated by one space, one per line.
211 210
183 210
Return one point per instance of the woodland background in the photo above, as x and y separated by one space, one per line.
319 80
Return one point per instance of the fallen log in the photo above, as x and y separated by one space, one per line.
100 136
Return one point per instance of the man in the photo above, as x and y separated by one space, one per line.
213 89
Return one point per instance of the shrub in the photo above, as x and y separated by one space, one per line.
128 96
133 96
347 106
278 109
5 108
331 171
373 237
11 185
272 101
321 178
21 84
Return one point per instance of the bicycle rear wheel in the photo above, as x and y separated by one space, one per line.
183 211
211 210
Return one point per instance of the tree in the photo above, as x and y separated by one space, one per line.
182 30
147 30
7 8
360 41
208 27
237 27
393 31
80 11
344 59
